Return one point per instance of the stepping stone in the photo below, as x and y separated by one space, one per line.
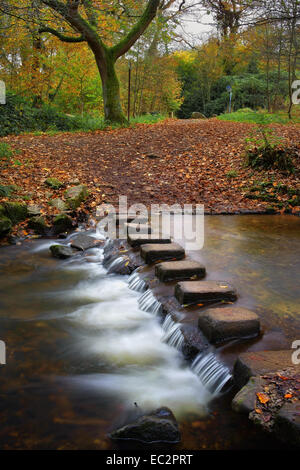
193 292
138 240
137 229
84 242
152 252
123 219
179 270
260 363
223 324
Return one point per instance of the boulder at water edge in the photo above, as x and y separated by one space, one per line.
76 195
61 251
158 426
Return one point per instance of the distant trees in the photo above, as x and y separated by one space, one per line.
110 28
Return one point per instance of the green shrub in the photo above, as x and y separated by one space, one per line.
268 151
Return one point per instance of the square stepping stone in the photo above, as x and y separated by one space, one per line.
194 292
179 270
138 240
136 229
123 219
262 362
223 324
152 252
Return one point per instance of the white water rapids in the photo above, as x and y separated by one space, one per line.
142 357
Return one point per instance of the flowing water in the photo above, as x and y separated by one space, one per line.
83 345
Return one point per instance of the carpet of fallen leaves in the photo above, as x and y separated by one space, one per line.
185 162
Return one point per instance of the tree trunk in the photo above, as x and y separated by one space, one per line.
110 88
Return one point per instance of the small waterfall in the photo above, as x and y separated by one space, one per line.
136 283
213 375
149 303
173 335
116 263
168 323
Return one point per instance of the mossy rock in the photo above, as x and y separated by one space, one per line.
5 226
59 204
62 223
61 251
197 115
16 211
2 211
54 183
76 195
38 224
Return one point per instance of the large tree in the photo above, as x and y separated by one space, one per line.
109 27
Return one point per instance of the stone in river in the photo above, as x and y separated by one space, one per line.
179 270
158 426
137 240
82 241
61 251
153 252
223 324
193 292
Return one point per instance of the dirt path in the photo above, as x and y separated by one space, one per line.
194 160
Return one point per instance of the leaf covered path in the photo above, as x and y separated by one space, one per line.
193 164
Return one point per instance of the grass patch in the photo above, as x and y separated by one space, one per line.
255 117
5 151
232 174
89 123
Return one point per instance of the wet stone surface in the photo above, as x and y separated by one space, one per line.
157 426
193 292
138 240
152 253
83 241
259 363
223 324
179 270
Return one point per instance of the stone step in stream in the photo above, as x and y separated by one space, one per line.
194 292
227 323
152 253
136 241
179 270
138 229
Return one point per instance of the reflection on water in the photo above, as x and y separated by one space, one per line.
80 351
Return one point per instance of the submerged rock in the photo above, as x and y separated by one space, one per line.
61 251
158 426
